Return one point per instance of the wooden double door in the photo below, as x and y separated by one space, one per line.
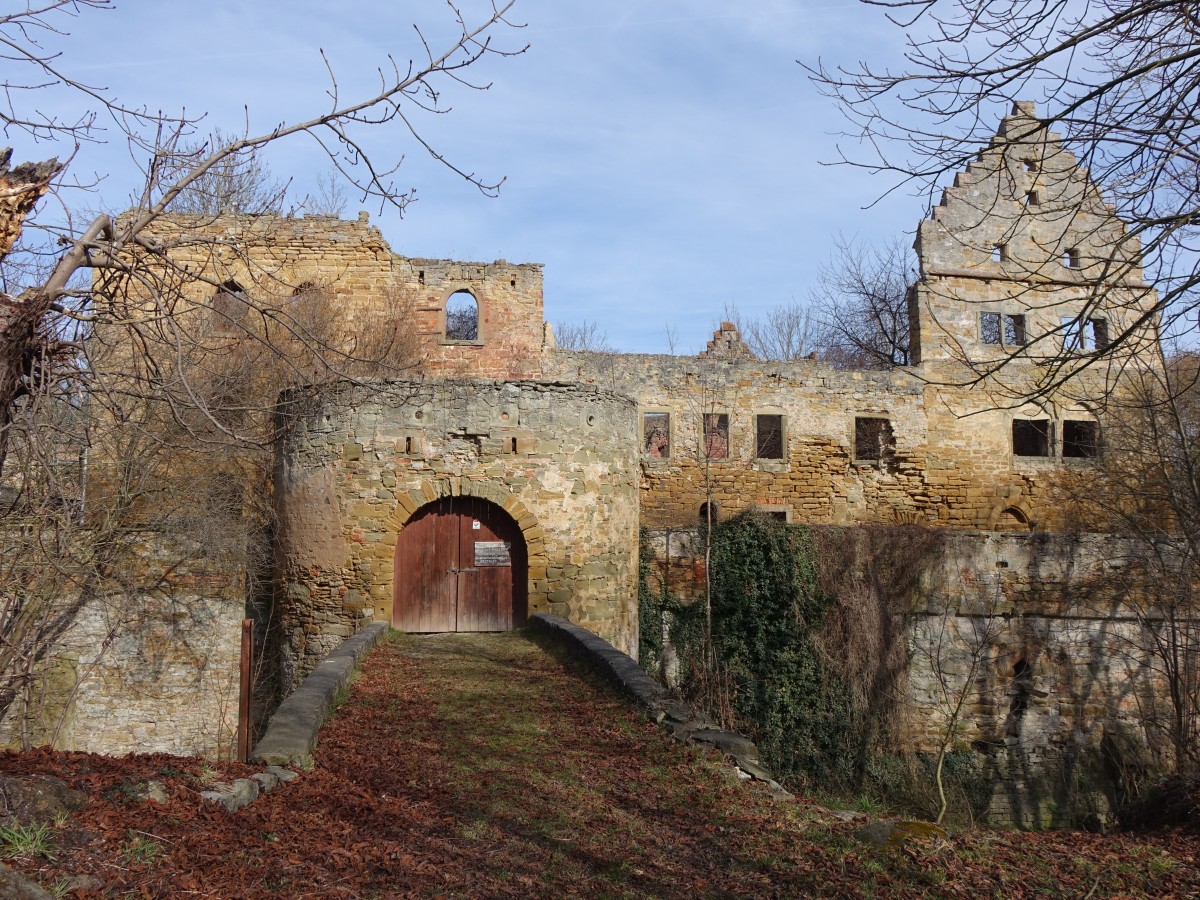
461 565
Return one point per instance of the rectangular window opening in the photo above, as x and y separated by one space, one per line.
1070 259
768 436
1014 330
873 439
1080 439
1032 437
999 253
1099 333
1072 334
1031 198
989 327
656 435
716 435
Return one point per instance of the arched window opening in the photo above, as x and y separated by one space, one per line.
229 306
710 513
305 289
462 317
1012 519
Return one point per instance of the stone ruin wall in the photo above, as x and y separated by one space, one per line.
946 469
1051 654
558 457
152 671
270 256
1034 632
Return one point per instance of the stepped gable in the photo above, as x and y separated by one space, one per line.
1023 210
727 343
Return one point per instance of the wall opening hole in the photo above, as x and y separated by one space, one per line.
989 327
873 439
462 317
1032 437
1080 439
768 436
656 435
716 435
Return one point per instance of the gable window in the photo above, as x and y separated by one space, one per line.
1030 165
656 435
999 329
716 435
462 317
873 439
1032 437
768 436
1084 334
1080 439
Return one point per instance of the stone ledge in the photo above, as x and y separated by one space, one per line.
620 670
291 734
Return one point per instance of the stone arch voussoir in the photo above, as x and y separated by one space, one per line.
1017 508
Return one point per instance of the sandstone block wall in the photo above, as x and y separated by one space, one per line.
558 458
269 257
818 480
951 463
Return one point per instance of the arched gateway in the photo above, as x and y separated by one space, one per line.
461 565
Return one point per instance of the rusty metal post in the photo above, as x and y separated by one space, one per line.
243 733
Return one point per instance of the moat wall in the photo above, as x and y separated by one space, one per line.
1037 638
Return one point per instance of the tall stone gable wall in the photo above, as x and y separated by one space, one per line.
559 458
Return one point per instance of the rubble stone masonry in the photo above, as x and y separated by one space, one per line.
1021 260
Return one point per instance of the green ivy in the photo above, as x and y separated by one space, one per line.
766 609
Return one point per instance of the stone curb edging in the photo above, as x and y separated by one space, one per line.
291 734
620 670
244 791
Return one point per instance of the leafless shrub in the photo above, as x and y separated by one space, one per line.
585 335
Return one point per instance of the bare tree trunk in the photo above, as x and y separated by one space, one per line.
20 190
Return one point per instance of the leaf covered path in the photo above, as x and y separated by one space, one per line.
469 765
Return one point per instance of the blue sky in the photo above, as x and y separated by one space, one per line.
661 160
